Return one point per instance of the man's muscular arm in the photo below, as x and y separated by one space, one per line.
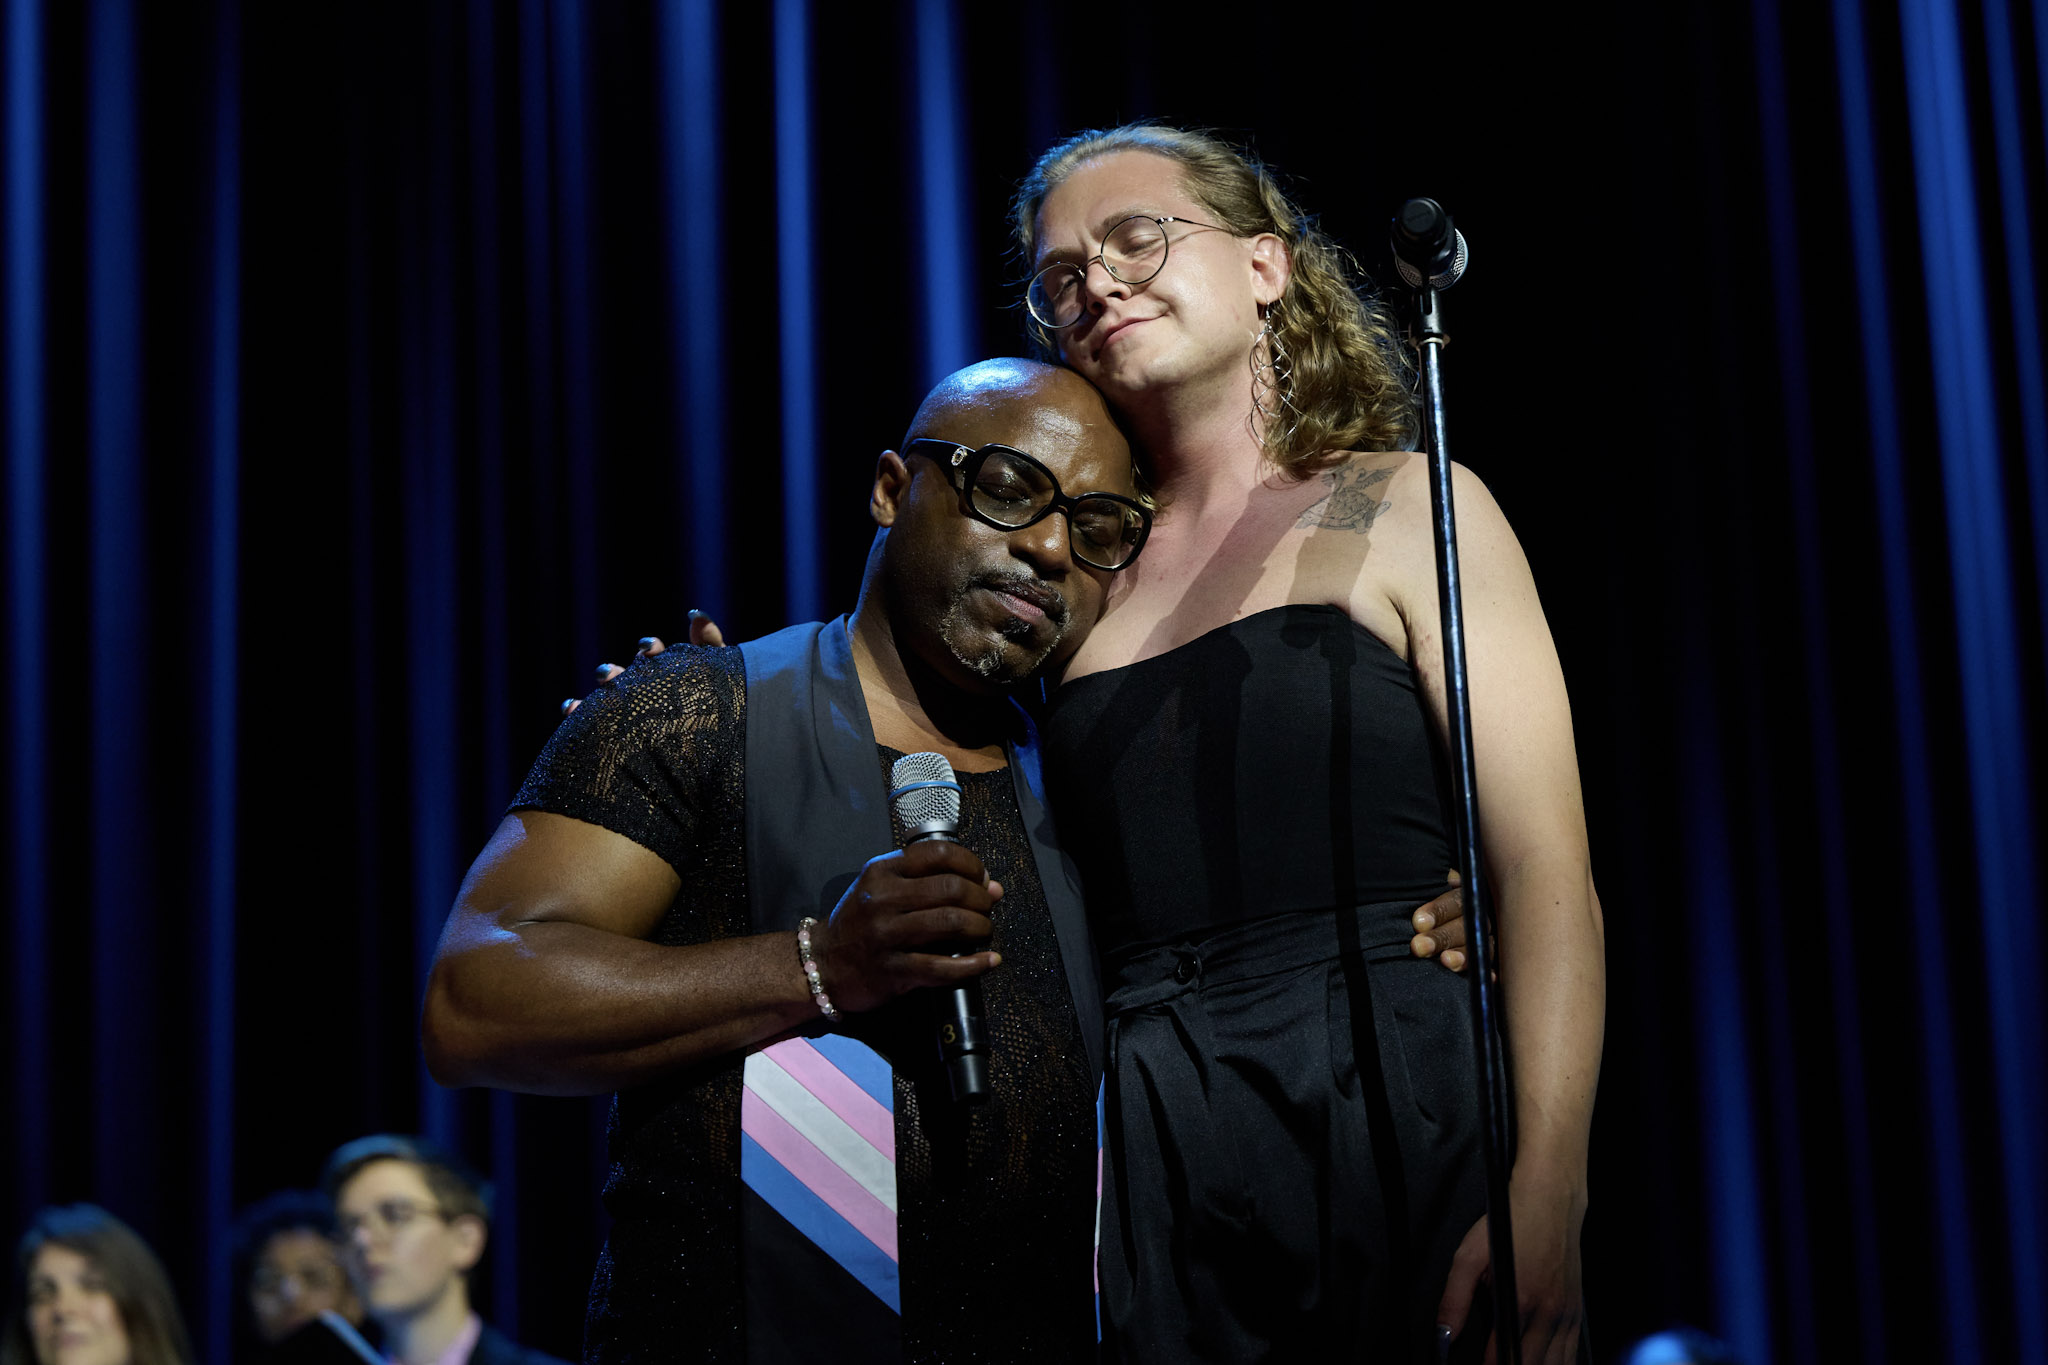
544 980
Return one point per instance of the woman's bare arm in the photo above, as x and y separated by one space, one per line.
1533 837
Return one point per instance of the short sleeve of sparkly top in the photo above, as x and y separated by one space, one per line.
656 754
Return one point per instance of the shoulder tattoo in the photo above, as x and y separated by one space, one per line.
1351 504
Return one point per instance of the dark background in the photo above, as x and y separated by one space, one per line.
373 372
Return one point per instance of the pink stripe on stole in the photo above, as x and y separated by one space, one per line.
836 1091
1096 1265
802 1159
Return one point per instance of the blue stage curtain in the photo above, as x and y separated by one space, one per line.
373 372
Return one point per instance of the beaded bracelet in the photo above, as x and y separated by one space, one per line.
811 977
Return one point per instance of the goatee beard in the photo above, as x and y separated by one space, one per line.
985 657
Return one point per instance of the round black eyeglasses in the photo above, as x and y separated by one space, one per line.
1007 489
1132 252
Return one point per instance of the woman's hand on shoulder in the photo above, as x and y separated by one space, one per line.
703 631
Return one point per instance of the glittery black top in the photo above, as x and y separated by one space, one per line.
995 1211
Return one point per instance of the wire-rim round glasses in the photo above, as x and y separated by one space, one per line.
1133 251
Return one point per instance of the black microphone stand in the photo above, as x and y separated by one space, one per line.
1431 256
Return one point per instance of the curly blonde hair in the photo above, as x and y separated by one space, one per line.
1349 368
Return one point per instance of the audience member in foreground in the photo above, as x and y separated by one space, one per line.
91 1292
288 1266
413 1221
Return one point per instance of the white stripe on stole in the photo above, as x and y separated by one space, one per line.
825 1130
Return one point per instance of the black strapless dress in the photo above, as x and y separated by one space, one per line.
1293 1143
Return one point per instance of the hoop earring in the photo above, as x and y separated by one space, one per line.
1272 381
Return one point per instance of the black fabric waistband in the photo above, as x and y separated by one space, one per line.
1379 932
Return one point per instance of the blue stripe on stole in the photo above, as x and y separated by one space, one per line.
862 1065
817 1220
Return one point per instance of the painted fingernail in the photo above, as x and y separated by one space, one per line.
694 613
1443 1341
646 643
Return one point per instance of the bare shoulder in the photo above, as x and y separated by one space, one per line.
1405 540
1355 494
1388 492
1397 477
1484 535
1402 484
1357 531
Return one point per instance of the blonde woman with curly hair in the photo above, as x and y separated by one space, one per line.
1246 757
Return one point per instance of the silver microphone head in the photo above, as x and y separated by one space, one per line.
1413 276
925 795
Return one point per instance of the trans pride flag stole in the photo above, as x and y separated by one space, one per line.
818 1140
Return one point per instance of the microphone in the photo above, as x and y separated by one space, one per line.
1427 249
926 798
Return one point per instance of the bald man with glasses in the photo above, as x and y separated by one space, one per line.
695 903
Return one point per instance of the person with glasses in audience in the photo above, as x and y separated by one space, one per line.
288 1266
695 902
412 1220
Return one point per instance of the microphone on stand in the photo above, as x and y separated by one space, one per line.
1430 255
1427 249
926 798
